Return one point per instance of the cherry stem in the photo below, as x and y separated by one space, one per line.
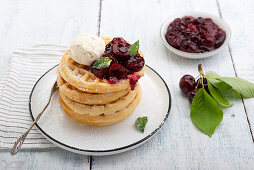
200 70
201 75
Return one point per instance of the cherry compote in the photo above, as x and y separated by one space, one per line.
135 63
195 35
122 66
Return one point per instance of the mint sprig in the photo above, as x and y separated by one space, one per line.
134 48
141 123
102 63
205 113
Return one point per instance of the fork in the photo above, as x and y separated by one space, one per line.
18 143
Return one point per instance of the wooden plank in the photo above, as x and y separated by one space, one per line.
179 145
27 23
44 159
241 21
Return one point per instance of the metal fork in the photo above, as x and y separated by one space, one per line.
17 145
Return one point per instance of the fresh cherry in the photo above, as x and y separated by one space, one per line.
191 95
187 83
135 64
199 84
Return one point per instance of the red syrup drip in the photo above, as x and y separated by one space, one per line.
133 80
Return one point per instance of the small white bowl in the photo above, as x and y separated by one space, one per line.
222 24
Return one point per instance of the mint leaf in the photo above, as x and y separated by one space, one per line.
205 113
134 48
101 63
212 77
141 123
244 87
216 94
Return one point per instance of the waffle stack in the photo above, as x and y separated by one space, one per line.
91 100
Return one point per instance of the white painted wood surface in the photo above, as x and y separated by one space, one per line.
26 23
44 159
179 145
241 21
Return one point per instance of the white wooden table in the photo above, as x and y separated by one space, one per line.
179 144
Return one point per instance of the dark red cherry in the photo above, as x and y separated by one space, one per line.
195 35
117 71
118 40
108 48
187 83
135 64
110 57
98 72
199 84
121 51
191 95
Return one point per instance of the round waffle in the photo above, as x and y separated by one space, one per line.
88 98
103 120
95 110
82 78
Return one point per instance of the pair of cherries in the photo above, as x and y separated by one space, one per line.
122 63
189 86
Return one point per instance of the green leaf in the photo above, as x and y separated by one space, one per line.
141 123
216 94
205 113
101 63
134 48
244 87
213 78
232 94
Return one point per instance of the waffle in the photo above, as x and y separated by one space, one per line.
107 109
103 120
88 98
83 79
91 100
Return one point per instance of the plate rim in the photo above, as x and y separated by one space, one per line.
119 149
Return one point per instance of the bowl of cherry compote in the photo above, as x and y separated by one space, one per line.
122 66
195 35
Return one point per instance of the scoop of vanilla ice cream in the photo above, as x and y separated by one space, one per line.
86 48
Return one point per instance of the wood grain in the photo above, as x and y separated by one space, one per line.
26 23
241 21
44 159
179 145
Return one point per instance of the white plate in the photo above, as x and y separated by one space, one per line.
221 23
68 134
